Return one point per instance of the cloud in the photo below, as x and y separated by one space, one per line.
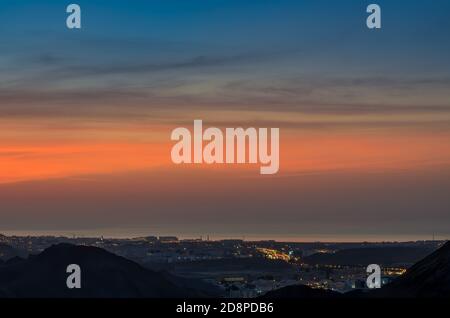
47 59
139 68
173 76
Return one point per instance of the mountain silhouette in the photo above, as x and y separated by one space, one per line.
7 252
103 275
371 255
106 275
429 278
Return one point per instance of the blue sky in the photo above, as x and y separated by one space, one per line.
327 36
228 53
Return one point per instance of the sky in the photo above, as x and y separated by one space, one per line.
364 118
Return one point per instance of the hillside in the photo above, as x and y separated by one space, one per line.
103 275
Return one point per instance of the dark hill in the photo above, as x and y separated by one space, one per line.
7 252
102 275
428 278
234 264
371 255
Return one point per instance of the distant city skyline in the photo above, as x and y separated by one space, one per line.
120 233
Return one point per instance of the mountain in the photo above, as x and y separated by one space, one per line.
371 255
7 252
426 279
252 264
300 291
103 275
202 288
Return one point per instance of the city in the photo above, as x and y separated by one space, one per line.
244 269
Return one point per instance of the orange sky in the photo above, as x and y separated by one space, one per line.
32 151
